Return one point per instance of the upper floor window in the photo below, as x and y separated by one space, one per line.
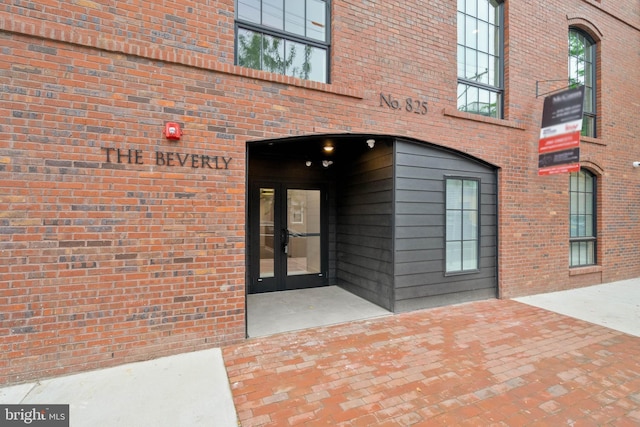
480 50
582 218
289 37
582 71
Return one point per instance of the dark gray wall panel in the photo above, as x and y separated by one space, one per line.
419 265
440 300
364 244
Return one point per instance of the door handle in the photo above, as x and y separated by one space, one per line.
285 241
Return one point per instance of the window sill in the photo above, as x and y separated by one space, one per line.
292 81
452 112
577 271
591 140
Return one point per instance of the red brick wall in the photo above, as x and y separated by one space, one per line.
104 262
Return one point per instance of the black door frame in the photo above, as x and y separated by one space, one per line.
281 281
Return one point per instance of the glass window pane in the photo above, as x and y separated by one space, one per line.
472 99
295 59
250 49
588 100
267 253
470 67
496 103
461 64
471 7
462 97
589 226
589 51
470 255
470 194
318 65
483 36
483 68
294 21
471 32
574 256
461 27
494 39
454 194
494 12
470 225
573 205
582 252
454 256
589 126
273 55
589 204
494 72
454 225
590 255
304 255
306 62
484 105
273 13
249 10
483 10
573 182
582 202
581 181
316 20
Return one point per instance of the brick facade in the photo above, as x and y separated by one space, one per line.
112 249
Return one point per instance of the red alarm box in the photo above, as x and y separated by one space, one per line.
172 130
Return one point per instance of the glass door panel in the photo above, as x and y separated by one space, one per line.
287 245
303 232
267 233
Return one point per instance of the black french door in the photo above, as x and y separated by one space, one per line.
287 237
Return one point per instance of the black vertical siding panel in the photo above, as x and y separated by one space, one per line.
419 276
364 246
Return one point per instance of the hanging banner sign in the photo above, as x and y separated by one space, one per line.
559 144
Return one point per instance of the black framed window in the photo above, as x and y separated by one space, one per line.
582 71
289 37
582 218
462 225
480 51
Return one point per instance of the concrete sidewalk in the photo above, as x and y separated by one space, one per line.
519 358
185 390
613 305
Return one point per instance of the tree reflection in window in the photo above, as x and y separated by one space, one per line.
582 72
287 38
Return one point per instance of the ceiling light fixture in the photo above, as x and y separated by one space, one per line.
328 148
371 142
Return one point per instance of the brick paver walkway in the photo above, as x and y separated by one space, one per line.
485 363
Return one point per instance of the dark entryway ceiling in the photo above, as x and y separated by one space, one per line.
311 147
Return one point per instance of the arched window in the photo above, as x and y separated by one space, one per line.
582 71
582 218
